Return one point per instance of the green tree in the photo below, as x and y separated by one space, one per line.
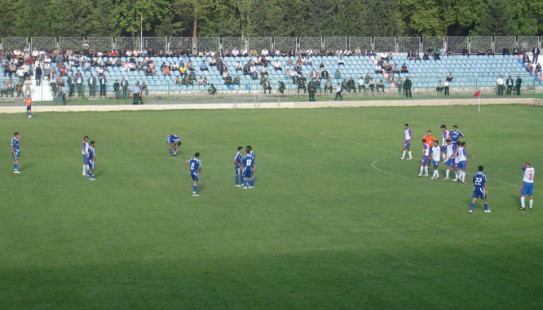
127 15
497 20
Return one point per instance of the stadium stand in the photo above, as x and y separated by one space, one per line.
469 72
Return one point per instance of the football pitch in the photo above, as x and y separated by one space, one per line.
336 220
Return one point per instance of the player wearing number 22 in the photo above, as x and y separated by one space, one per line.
527 185
480 189
248 166
194 166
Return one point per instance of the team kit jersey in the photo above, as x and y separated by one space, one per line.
455 136
461 157
425 154
84 151
430 140
195 165
479 181
407 137
528 181
248 165
444 137
90 157
450 150
172 139
436 152
15 143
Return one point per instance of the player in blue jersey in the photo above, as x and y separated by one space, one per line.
85 154
424 160
250 148
455 135
449 151
16 151
407 141
248 167
91 160
480 189
237 165
173 143
194 166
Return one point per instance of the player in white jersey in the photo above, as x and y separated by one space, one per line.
527 185
449 150
461 160
407 141
424 160
444 136
84 153
435 153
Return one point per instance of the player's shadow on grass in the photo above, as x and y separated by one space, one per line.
201 187
26 166
99 173
516 200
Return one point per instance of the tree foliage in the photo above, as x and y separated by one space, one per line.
255 18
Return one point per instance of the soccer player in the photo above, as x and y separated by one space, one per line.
461 158
407 141
237 165
194 166
455 135
173 143
449 151
85 154
424 160
28 102
527 185
250 148
91 160
444 136
248 166
429 138
16 151
436 154
480 189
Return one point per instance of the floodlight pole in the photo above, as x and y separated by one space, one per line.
141 32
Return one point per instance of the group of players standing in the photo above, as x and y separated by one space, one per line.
244 166
453 152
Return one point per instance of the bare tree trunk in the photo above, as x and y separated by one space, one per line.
194 28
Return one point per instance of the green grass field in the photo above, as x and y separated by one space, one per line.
336 220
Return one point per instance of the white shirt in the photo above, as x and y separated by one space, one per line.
500 81
444 137
436 152
460 154
449 149
529 175
407 132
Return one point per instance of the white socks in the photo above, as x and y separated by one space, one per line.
522 202
403 155
410 155
447 173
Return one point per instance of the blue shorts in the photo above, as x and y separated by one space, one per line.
435 163
450 163
91 164
479 193
194 177
462 165
527 189
16 155
407 144
247 173
424 160
172 141
84 159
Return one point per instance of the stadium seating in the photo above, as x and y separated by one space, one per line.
469 72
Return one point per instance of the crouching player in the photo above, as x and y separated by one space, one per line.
436 157
424 160
248 166
527 186
173 143
480 189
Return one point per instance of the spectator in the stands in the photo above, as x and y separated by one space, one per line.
381 85
490 51
404 68
239 67
505 51
235 52
516 50
529 67
426 56
465 51
535 53
481 52
277 65
538 69
340 61
337 75
324 73
203 66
